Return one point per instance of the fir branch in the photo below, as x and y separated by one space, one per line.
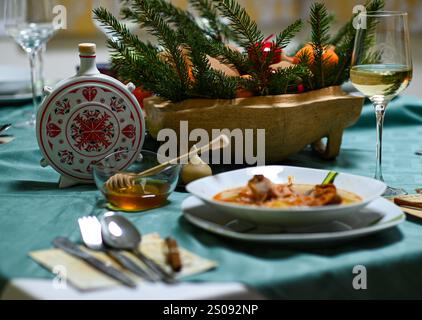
320 24
229 56
345 41
341 34
251 39
347 31
284 38
149 18
286 78
161 79
169 12
214 84
122 33
241 22
209 83
218 30
142 58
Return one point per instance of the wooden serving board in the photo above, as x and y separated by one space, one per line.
291 121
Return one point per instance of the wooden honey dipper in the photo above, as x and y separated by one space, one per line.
124 179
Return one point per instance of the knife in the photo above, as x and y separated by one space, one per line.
4 127
69 247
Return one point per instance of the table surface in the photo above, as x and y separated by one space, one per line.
33 211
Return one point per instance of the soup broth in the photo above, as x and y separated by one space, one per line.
235 196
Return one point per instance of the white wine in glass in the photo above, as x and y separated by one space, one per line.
386 80
382 68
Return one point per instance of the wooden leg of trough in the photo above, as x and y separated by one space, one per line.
332 148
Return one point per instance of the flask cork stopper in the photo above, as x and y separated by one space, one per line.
87 49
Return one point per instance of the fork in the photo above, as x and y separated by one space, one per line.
90 228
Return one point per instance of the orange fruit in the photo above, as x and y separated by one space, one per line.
331 56
141 94
328 55
242 92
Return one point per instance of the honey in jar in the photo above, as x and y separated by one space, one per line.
139 197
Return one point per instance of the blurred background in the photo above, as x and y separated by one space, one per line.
271 15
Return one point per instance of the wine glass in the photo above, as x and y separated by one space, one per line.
382 68
30 24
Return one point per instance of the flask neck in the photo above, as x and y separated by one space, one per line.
88 66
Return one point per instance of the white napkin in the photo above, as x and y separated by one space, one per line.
84 277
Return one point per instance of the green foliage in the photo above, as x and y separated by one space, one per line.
286 80
320 26
251 40
214 26
241 23
284 38
137 61
179 68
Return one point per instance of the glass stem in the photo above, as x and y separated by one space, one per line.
33 56
40 69
379 113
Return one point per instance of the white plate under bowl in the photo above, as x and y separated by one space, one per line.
378 216
206 188
17 98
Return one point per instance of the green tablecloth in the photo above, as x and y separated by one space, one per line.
33 211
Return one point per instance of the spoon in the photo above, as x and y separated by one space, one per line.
119 233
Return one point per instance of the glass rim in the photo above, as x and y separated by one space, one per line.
384 13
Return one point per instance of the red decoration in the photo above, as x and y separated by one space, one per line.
53 130
89 93
66 156
63 107
92 130
129 131
266 47
300 88
141 94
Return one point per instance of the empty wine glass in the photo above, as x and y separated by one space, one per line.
30 23
382 67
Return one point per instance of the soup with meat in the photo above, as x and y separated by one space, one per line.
260 191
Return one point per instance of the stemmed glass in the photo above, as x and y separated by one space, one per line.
30 23
382 67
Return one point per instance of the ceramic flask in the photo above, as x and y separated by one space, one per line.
85 118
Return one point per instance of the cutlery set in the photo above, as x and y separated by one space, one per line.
4 138
113 235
